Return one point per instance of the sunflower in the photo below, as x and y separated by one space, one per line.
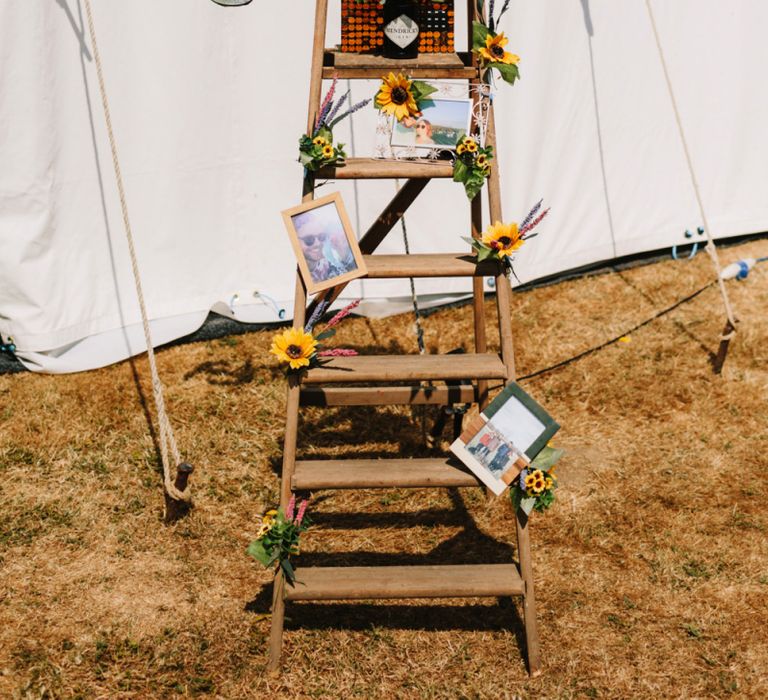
470 145
530 480
482 161
504 239
295 347
319 141
395 97
461 148
493 51
328 151
549 483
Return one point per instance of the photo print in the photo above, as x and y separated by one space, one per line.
324 243
442 123
502 440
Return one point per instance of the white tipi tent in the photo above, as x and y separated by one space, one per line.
208 104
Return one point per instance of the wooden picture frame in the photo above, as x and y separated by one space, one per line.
324 243
502 440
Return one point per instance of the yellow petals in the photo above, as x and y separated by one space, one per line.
319 141
395 97
328 151
493 51
503 238
296 348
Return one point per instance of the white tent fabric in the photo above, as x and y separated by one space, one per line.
208 103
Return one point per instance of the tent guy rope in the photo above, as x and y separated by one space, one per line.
167 439
710 247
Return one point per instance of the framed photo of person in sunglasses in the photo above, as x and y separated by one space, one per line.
324 243
442 123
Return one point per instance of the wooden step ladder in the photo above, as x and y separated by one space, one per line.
312 387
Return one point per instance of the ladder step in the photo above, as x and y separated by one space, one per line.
377 168
388 395
429 265
380 473
363 582
380 368
435 66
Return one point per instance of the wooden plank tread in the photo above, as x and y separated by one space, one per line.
378 168
429 265
440 395
380 368
438 65
368 582
381 473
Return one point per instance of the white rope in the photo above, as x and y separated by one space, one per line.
167 440
710 247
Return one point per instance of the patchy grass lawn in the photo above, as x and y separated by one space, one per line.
651 569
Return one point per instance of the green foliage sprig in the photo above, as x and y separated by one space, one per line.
472 165
535 488
278 538
489 47
319 150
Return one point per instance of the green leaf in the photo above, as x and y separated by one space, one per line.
290 574
508 72
460 171
547 458
421 90
479 33
485 253
469 240
305 159
527 505
328 333
257 551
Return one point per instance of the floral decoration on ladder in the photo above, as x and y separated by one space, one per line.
488 46
278 537
472 165
318 150
298 348
501 241
402 97
535 487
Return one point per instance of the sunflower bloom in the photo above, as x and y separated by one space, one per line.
296 348
470 145
395 97
505 239
461 148
319 141
328 151
530 480
493 51
482 161
549 483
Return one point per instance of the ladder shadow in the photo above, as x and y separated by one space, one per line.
470 546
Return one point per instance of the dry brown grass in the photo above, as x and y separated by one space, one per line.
651 570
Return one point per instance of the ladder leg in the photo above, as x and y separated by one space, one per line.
529 599
286 477
278 618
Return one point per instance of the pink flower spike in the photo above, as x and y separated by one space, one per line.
534 223
343 314
289 509
337 352
326 102
302 510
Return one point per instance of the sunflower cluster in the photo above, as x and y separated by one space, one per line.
538 485
319 150
472 165
489 48
401 97
535 489
278 537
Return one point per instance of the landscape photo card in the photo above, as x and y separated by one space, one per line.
502 440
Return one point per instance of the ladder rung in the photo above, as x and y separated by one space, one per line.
387 395
435 66
381 473
377 168
449 581
429 265
381 368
